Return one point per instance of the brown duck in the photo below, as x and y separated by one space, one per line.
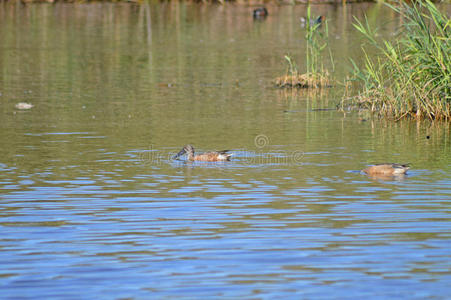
387 169
207 156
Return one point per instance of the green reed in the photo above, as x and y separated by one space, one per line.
292 67
412 75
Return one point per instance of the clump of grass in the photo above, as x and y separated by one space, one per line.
410 77
306 80
317 75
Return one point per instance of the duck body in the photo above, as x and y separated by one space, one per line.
207 156
387 169
260 12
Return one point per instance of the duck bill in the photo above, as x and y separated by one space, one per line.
179 154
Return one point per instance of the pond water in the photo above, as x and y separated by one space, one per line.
93 206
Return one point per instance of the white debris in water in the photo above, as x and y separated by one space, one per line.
23 105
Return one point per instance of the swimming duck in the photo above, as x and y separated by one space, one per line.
260 12
392 169
312 22
207 156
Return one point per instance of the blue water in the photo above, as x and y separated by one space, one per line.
187 230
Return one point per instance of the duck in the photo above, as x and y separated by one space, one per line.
207 156
387 169
260 12
312 22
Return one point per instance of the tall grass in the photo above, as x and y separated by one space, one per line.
411 77
317 75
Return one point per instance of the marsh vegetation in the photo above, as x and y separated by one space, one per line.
411 76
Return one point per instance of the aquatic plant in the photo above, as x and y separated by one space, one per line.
411 77
317 42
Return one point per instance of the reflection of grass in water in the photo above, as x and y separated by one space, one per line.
316 76
285 94
412 76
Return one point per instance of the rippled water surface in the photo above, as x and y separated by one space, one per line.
93 206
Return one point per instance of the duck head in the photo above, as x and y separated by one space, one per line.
187 149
